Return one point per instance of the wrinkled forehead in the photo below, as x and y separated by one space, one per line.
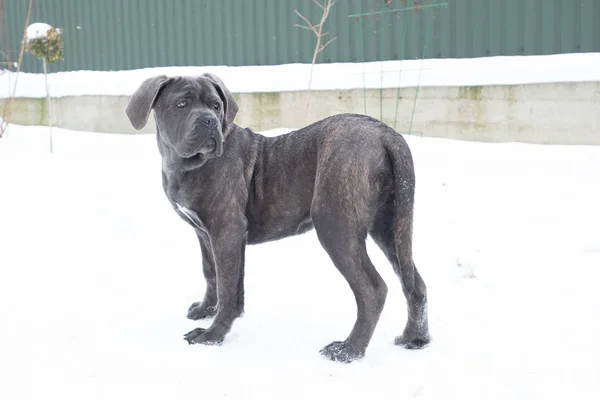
190 87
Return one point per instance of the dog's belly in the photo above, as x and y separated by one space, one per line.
282 188
277 228
257 236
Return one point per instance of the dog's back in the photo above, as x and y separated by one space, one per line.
349 155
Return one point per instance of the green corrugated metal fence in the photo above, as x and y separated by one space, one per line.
128 34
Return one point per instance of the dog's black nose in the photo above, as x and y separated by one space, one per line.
209 121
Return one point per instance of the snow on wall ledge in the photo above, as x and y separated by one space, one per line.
294 77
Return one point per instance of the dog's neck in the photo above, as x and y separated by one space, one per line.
176 171
173 169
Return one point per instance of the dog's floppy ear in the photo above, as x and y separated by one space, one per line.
231 107
142 101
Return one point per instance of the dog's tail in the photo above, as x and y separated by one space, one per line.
403 169
404 175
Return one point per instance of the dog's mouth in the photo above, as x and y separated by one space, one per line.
194 161
210 146
209 149
195 157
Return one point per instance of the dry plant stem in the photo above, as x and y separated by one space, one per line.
7 109
6 57
4 35
49 104
317 29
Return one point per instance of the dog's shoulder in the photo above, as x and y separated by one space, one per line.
242 149
243 141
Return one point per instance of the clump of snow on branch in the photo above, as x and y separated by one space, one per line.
37 30
44 42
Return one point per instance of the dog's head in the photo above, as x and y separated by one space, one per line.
193 114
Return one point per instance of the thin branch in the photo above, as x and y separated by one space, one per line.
325 45
319 4
8 108
317 29
310 28
303 17
328 6
4 35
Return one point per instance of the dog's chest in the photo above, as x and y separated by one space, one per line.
190 217
181 198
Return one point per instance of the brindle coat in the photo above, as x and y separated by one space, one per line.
348 176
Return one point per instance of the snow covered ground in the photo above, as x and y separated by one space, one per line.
97 272
274 78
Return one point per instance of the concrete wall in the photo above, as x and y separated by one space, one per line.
553 113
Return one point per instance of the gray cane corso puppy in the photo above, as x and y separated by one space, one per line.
347 176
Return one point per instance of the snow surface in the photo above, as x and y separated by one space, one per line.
37 30
97 272
290 77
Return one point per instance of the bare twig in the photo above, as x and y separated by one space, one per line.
310 28
319 4
317 29
325 45
303 17
4 35
48 102
7 109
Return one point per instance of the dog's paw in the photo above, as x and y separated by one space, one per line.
200 310
202 336
412 342
342 352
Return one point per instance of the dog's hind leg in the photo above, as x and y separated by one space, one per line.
396 244
208 306
416 332
346 246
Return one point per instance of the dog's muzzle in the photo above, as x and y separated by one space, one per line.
203 140
209 146
212 146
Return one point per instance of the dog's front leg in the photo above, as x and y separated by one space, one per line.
208 306
228 250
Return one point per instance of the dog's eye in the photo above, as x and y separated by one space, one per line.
182 104
217 106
